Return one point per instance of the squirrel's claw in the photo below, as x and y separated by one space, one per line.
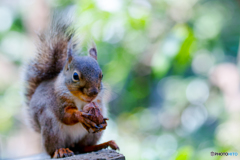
96 127
100 126
103 126
105 119
87 115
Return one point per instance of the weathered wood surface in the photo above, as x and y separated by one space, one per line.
105 154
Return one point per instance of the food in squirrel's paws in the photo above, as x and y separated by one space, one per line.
92 109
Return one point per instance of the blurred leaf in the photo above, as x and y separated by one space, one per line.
183 58
185 153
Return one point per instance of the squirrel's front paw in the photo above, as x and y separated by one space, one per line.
62 152
85 119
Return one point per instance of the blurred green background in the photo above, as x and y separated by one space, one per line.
172 66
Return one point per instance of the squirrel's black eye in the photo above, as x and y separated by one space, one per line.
75 76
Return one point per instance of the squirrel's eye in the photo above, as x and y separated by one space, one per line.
75 76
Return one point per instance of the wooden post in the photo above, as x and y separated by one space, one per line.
104 154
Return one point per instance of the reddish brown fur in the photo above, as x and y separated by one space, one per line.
111 144
70 117
90 148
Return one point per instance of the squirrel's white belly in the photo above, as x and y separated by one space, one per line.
73 133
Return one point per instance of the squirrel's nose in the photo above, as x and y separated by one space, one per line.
93 92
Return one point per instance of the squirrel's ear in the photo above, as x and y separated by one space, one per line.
93 51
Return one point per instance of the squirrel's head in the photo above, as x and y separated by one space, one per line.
83 74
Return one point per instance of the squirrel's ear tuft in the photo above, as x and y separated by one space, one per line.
70 51
69 54
93 51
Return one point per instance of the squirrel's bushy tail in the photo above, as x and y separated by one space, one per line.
51 55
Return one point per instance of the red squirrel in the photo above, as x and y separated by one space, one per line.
59 84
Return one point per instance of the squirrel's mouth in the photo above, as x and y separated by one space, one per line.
87 99
83 97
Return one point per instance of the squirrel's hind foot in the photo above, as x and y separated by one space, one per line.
112 144
62 152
